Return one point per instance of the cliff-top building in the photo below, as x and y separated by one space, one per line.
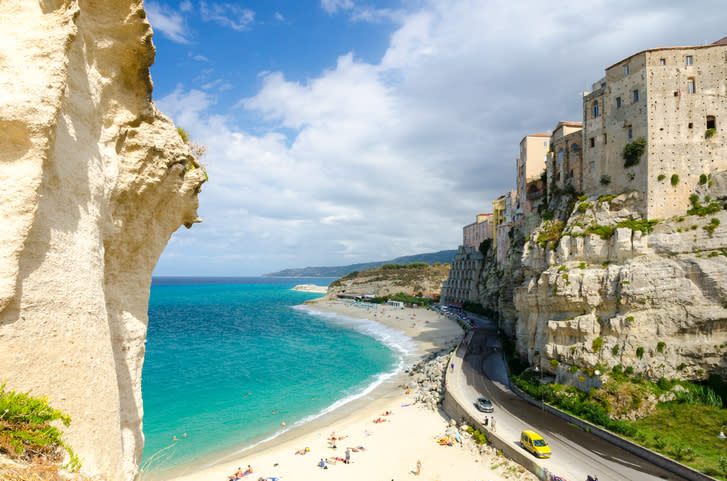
565 161
473 234
530 166
676 99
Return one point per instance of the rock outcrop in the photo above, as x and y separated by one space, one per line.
95 181
602 287
391 279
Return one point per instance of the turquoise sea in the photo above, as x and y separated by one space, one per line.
228 360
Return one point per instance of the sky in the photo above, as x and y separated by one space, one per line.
347 131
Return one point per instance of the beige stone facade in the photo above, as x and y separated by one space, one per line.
473 234
565 161
530 166
671 97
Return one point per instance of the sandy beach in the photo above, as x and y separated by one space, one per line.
391 448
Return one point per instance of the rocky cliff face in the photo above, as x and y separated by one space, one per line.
604 287
95 181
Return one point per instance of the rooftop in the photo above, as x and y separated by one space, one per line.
721 42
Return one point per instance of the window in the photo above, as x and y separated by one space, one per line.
636 95
595 109
631 133
690 85
605 139
574 147
711 122
560 156
593 142
626 69
618 102
689 60
662 61
691 125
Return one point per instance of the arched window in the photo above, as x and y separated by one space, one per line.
595 109
560 156
574 147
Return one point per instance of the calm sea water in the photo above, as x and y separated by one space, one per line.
227 360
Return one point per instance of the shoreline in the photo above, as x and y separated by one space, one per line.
431 334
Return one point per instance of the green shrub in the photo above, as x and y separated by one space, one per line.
597 344
582 265
551 232
699 209
183 134
562 268
26 429
617 369
584 206
640 352
629 370
605 179
660 346
661 177
674 179
548 215
709 133
554 363
605 198
713 223
614 350
703 179
573 369
633 151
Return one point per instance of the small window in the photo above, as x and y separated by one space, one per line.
631 133
574 147
618 102
593 141
595 109
676 93
689 60
636 95
662 61
711 122
545 143
603 85
690 85
560 156
626 69
605 139
691 125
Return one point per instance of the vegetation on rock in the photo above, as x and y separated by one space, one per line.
26 430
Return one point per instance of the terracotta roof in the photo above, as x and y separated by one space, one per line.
570 124
721 41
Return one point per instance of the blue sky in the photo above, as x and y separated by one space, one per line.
344 131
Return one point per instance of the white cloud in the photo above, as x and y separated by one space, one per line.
186 6
199 58
331 6
165 20
227 15
368 161
279 17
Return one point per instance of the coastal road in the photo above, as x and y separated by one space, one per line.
576 453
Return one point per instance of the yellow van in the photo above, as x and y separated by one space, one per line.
535 443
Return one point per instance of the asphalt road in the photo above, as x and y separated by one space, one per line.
576 453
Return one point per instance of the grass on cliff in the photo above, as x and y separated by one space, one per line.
684 429
27 432
400 274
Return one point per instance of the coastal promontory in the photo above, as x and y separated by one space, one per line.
95 181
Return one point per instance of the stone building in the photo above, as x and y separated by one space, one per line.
565 160
530 166
676 99
473 234
461 285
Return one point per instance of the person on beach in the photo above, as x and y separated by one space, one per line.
492 423
348 456
248 470
419 467
322 464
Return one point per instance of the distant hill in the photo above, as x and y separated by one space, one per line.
340 271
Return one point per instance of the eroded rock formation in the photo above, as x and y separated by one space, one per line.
600 294
94 182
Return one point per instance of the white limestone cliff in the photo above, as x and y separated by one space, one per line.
94 182
664 292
